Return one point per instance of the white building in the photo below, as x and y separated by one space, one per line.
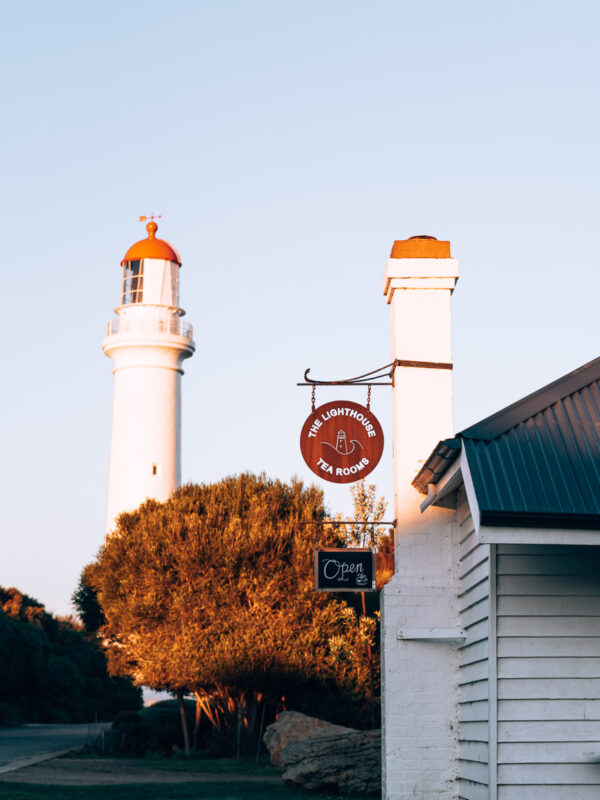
148 341
491 624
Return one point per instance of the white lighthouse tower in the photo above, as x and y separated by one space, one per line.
148 342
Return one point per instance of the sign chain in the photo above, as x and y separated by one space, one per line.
313 399
369 398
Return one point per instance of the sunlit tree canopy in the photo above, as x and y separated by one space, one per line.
215 588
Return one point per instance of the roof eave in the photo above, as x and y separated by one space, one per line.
443 456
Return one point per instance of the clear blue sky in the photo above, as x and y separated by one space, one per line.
286 145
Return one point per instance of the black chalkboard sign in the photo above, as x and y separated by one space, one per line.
344 570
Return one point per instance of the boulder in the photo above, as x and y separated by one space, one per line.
291 726
314 756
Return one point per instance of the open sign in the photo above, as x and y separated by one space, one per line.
344 570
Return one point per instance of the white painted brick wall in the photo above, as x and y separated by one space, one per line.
419 693
419 678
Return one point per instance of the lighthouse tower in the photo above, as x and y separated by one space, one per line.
148 342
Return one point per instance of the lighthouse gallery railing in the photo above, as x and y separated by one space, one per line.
176 327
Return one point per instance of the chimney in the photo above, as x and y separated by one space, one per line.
418 283
419 695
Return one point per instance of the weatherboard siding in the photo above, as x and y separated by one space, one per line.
474 654
548 668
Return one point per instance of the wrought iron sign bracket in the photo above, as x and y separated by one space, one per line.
368 379
373 378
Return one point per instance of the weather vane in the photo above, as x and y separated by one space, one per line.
152 216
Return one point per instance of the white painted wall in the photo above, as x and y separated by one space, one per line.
477 663
548 646
148 344
419 678
529 676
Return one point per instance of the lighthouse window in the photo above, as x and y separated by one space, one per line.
133 282
174 284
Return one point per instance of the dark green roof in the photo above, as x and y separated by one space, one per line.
537 462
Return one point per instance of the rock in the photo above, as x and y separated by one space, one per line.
291 726
350 762
317 755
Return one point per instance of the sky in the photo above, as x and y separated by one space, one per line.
286 145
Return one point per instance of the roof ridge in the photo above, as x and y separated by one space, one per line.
502 421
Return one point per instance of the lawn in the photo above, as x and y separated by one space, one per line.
203 789
201 764
164 791
222 766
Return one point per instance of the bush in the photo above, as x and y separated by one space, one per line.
10 714
326 701
130 737
126 718
52 671
155 729
223 742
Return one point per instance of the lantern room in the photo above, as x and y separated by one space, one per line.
151 272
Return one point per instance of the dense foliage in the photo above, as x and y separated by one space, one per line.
51 670
212 592
85 602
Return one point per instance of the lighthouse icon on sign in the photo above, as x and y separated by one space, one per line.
342 446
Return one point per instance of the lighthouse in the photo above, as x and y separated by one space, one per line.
148 342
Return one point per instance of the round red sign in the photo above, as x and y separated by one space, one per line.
342 441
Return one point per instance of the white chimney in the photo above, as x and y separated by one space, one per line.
419 706
418 283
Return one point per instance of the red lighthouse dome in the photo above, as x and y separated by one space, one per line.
152 248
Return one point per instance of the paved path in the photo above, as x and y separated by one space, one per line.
29 744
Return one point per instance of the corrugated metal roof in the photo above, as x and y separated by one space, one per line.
533 403
537 462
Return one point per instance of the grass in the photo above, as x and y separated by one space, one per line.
205 789
164 791
222 766
197 763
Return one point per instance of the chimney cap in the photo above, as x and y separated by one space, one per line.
420 247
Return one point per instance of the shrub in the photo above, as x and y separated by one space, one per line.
10 714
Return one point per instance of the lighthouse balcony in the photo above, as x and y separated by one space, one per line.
173 327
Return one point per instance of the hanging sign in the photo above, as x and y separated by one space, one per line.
344 570
342 441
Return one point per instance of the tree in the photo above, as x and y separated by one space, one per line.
367 509
85 602
212 592
51 670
